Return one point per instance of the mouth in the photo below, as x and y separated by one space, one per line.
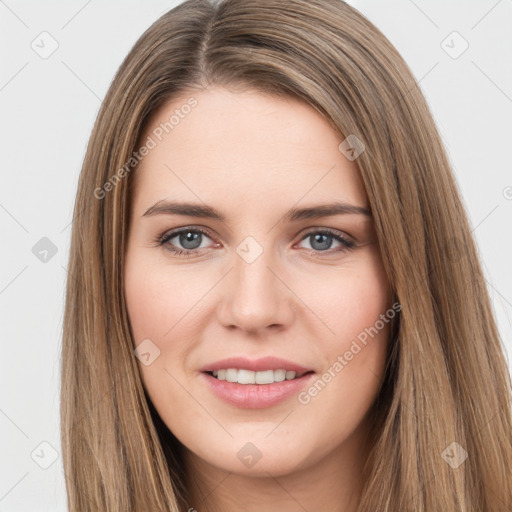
256 390
264 377
255 384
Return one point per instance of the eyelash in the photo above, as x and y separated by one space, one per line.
346 244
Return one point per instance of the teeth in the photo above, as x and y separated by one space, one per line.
290 375
265 377
250 377
246 377
280 375
231 375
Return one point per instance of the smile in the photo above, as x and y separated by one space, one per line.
256 395
243 376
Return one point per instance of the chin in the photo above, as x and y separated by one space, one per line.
256 456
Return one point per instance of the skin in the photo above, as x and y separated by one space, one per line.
253 157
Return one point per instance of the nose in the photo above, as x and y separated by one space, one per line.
255 297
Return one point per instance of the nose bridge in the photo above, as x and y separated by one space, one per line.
255 298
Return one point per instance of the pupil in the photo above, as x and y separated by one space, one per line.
190 240
323 243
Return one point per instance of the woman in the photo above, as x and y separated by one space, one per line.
265 311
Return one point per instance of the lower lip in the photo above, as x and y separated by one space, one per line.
256 396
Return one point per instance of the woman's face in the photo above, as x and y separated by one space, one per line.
256 267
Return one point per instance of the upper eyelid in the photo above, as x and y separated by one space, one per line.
175 232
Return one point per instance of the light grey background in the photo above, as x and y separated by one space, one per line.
47 111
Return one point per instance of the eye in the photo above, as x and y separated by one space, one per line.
321 240
187 242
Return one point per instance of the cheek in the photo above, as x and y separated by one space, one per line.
156 301
145 311
164 307
159 298
357 308
349 300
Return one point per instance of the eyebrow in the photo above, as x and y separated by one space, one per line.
166 207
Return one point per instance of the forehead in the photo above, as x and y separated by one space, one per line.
243 147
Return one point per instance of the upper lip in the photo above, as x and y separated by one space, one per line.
256 365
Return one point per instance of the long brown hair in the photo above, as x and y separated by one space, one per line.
446 393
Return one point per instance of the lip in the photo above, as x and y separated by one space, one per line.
255 365
255 396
